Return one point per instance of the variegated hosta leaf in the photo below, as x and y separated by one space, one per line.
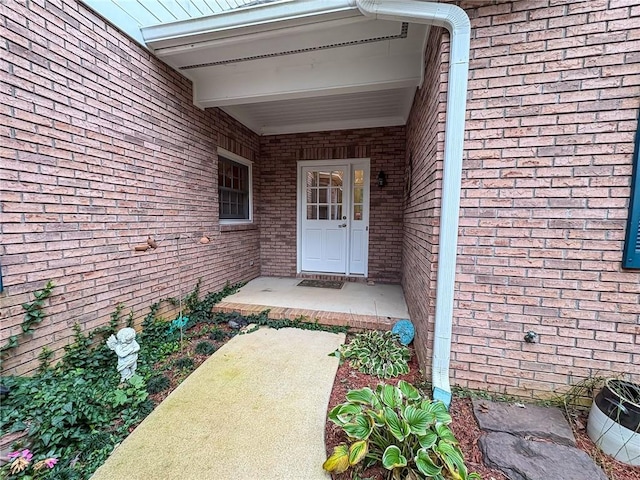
438 410
397 426
360 428
442 414
338 462
451 456
429 439
409 391
364 395
357 451
393 458
343 413
377 417
417 419
391 396
426 465
445 434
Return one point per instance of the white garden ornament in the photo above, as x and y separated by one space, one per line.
125 345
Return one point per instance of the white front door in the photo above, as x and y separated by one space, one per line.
334 217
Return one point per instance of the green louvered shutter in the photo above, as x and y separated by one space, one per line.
631 254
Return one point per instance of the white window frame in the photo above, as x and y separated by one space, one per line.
248 163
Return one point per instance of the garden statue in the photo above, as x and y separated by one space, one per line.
126 347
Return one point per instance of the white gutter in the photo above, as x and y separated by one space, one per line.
457 22
257 18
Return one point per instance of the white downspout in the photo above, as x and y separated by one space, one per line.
457 22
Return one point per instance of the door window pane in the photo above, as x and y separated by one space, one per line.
357 194
336 178
358 177
357 212
336 195
312 212
324 179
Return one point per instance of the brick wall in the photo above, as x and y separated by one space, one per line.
425 149
102 147
552 106
277 184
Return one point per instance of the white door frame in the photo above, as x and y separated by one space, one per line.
350 163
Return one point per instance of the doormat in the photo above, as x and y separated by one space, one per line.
321 284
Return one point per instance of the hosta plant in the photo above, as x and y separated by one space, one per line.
400 429
376 353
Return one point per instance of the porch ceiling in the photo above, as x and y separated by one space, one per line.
282 66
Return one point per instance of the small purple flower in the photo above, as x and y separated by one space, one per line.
50 462
27 455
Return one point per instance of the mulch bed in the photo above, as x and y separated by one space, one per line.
464 425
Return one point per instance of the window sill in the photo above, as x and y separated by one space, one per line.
237 227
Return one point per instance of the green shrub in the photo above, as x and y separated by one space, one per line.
217 335
376 353
200 310
183 363
205 348
398 428
157 384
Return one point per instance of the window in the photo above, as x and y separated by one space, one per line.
234 188
631 254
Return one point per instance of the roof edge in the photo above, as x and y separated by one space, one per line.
256 18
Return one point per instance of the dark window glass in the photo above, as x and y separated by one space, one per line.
233 189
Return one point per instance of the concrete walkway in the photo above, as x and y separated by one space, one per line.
256 409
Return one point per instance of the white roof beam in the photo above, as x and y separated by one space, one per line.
280 82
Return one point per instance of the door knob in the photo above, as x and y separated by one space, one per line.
342 226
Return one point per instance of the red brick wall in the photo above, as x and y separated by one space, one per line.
102 147
277 184
425 149
553 100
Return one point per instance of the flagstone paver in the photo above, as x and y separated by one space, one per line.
528 442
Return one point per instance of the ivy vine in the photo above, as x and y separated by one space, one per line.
34 311
34 314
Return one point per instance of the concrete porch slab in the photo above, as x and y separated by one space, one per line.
357 305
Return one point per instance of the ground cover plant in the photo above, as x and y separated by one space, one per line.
74 413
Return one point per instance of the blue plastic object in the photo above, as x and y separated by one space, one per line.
443 396
178 323
404 329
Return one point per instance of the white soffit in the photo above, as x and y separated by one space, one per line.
285 66
382 108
